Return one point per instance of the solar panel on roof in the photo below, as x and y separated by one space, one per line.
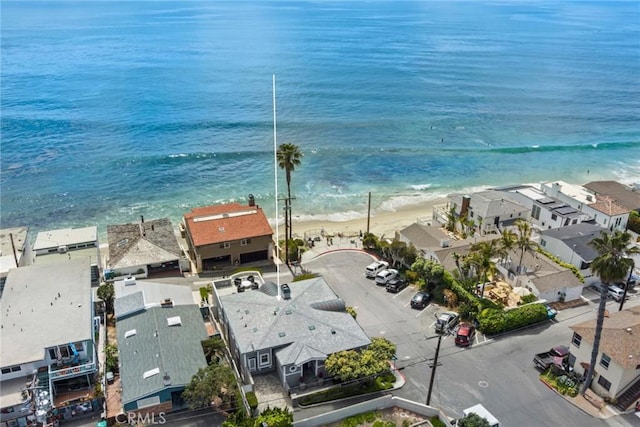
566 210
545 200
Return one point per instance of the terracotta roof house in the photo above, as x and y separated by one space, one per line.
617 374
147 248
292 334
623 195
604 210
226 235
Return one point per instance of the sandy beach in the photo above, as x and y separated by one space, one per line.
383 223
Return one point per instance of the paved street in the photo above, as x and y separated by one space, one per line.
498 373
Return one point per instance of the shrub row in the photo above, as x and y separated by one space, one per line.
493 321
382 382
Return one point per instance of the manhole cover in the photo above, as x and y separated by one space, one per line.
483 384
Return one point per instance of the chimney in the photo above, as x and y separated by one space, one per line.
464 209
252 200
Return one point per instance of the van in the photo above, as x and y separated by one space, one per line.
615 292
482 413
374 268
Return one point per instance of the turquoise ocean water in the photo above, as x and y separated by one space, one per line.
112 110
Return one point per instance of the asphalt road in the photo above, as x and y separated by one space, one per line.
499 372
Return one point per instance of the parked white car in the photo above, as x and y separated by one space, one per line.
385 276
375 268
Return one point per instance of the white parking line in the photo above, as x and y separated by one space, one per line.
422 311
398 294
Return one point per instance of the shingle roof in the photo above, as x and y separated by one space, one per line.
135 244
616 341
423 236
622 194
226 223
176 350
128 304
39 304
260 321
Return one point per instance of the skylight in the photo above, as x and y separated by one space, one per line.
174 321
152 372
130 333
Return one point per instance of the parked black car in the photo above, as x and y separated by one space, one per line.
420 300
396 285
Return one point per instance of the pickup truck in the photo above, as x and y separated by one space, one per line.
558 356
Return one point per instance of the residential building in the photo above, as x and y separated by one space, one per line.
45 363
623 195
54 246
13 245
291 333
603 209
489 210
144 249
159 351
227 235
571 245
617 373
542 276
546 212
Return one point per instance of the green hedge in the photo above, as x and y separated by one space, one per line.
382 382
252 400
493 321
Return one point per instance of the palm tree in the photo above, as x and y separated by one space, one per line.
611 265
507 242
481 255
289 156
523 241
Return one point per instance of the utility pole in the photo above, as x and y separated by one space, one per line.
369 213
433 369
626 286
15 256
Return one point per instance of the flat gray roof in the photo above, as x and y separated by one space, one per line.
11 391
43 306
54 257
153 293
65 236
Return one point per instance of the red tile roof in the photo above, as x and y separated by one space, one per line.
226 223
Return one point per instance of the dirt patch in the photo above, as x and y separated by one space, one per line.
401 417
112 337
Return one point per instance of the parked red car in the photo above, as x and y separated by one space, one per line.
465 335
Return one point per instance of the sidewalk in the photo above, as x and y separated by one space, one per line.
337 244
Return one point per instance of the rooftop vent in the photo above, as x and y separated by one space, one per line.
166 379
312 328
62 249
166 303
129 281
281 334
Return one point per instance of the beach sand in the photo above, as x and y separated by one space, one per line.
384 223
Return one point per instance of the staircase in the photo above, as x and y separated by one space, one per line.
630 395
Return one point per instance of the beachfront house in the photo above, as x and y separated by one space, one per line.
290 332
604 210
488 210
571 245
54 246
542 276
623 195
223 236
13 246
159 349
144 249
546 212
45 363
617 373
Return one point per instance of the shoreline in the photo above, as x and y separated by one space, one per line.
384 223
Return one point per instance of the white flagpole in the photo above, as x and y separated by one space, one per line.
275 182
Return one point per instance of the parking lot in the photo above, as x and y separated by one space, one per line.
498 372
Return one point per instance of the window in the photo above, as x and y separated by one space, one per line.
252 363
604 383
225 245
543 243
554 217
245 242
265 359
604 361
535 211
11 369
637 367
575 221
577 339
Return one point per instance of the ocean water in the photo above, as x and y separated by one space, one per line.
112 110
